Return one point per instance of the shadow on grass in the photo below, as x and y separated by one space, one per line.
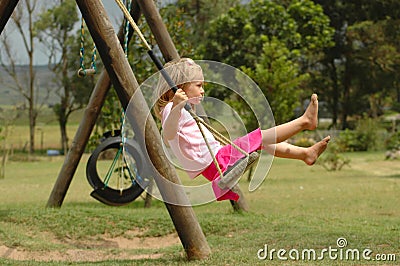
136 204
392 176
4 214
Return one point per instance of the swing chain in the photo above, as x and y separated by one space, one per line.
128 4
82 72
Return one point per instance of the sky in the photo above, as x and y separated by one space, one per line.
40 57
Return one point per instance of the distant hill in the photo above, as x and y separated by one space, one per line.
45 82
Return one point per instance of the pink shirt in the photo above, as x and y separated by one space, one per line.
189 145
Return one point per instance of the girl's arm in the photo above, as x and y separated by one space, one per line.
171 123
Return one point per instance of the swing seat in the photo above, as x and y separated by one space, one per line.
86 72
235 172
113 197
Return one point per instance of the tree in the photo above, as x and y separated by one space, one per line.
7 119
278 77
22 17
268 39
4 153
376 56
55 29
346 85
197 14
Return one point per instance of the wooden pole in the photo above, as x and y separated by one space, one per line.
125 83
79 143
6 9
158 29
168 49
86 126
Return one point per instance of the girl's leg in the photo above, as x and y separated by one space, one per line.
308 120
308 155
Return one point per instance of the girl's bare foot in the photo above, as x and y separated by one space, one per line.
315 151
311 114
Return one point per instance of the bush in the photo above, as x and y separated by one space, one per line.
363 138
348 141
393 141
332 159
304 141
396 107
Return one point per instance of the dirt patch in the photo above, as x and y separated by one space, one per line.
92 250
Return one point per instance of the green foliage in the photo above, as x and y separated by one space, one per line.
312 26
60 18
393 141
238 36
226 36
182 29
303 141
332 159
279 79
364 59
375 56
363 138
273 49
196 16
396 107
348 141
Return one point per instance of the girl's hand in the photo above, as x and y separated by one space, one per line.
179 98
172 122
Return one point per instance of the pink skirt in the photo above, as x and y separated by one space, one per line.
227 156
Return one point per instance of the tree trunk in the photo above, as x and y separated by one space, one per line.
32 126
346 93
4 162
32 95
335 93
64 137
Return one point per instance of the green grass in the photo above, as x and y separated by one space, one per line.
47 135
297 207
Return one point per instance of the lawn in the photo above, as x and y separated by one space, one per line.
47 133
296 208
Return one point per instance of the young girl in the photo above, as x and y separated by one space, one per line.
182 134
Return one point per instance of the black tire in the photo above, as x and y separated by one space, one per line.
102 190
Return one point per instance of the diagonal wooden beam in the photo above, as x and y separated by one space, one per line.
125 84
6 9
85 128
158 29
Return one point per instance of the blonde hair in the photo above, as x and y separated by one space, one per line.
181 71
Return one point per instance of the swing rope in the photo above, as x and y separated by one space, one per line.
82 72
128 4
111 169
233 174
121 149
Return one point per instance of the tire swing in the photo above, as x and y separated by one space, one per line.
114 169
108 171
